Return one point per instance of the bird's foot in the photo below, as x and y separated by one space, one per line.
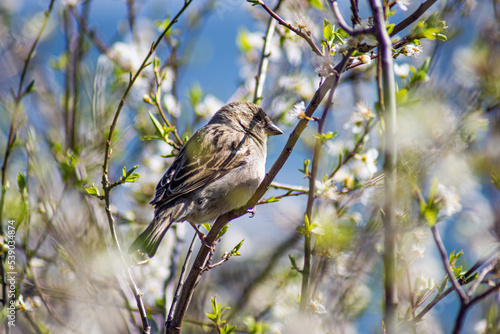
251 211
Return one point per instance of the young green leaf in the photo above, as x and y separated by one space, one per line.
327 30
93 191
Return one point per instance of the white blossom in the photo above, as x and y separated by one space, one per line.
411 50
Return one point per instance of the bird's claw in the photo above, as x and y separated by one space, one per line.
251 211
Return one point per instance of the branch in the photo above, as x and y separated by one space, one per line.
264 58
10 145
390 160
174 326
305 35
306 269
413 17
342 23
444 257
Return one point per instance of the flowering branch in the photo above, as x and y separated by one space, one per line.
299 31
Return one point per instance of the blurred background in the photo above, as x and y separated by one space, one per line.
69 274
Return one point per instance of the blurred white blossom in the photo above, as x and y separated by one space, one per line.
296 112
450 199
403 4
327 189
361 114
365 165
418 249
402 70
317 306
208 106
171 105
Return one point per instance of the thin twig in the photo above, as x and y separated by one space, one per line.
342 23
107 186
413 17
260 79
304 34
444 258
181 279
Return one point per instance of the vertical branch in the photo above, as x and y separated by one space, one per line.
390 159
21 92
264 58
306 270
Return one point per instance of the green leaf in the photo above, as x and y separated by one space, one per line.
235 250
30 88
327 30
323 137
316 4
207 226
401 96
21 182
390 28
307 162
223 231
130 176
93 191
293 261
430 33
159 128
272 199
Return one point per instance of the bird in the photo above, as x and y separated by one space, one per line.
217 170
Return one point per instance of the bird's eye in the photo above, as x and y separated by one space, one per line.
258 118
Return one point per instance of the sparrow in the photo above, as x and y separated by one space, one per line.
217 170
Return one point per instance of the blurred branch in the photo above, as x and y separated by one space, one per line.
107 186
264 58
91 34
245 296
21 92
390 160
304 34
174 326
306 269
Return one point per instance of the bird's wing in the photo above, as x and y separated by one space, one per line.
202 161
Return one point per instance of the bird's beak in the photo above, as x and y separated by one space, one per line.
273 130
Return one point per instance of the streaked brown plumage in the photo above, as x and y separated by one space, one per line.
216 171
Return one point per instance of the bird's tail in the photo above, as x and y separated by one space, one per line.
149 240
